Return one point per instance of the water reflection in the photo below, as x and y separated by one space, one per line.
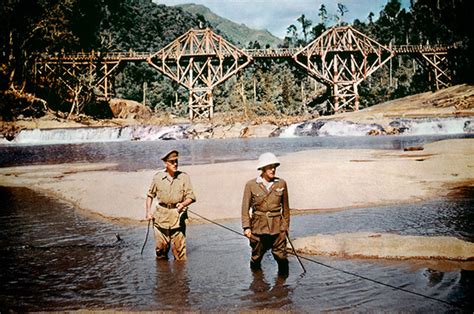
172 288
54 259
266 295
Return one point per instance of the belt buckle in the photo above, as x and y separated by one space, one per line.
267 214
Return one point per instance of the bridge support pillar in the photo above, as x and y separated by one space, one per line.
342 57
201 103
345 96
78 75
437 64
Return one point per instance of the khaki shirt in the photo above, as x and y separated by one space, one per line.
270 210
170 191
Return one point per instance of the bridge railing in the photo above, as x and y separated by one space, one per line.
255 53
271 52
423 48
113 56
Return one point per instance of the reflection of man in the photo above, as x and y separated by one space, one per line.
262 291
266 226
172 286
174 192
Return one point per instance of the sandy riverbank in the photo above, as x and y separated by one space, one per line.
318 180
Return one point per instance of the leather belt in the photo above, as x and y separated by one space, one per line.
268 214
168 232
168 205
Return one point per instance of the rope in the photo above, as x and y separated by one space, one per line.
379 282
338 269
216 223
146 237
294 251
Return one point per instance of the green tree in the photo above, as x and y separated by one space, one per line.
323 14
341 10
292 32
305 26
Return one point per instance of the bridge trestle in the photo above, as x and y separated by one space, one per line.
341 58
437 64
199 60
80 76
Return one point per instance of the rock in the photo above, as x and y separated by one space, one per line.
469 126
390 130
129 109
413 148
263 130
10 131
245 132
199 131
374 132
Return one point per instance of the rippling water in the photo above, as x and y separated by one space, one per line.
53 258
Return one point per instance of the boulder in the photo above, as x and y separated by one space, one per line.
129 109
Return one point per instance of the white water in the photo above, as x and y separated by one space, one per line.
433 126
101 134
438 126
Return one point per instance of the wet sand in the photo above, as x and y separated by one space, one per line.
388 246
326 179
318 180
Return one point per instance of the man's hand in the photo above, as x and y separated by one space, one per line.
149 215
248 233
180 207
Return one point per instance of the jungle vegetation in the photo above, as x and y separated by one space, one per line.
263 88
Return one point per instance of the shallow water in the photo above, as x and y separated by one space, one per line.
54 258
146 155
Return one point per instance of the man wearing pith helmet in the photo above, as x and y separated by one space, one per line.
174 193
266 214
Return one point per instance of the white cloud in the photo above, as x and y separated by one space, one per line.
277 15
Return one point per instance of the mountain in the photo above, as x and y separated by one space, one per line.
239 34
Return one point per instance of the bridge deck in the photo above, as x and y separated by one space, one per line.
254 53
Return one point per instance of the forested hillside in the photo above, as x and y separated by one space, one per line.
270 87
239 34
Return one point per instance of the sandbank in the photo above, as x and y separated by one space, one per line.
318 180
387 246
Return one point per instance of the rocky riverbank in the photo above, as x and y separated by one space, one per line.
456 101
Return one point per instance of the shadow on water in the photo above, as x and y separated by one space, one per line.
54 259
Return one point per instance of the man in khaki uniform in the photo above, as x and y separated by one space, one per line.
266 214
174 193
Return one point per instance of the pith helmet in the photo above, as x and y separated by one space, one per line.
266 159
171 155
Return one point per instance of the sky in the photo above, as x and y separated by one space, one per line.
276 15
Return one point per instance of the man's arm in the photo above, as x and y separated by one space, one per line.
189 196
149 202
286 207
245 211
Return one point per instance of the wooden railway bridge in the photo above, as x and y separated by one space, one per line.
199 60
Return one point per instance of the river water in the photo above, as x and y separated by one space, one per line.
54 259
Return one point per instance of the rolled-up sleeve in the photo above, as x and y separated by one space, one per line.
152 190
188 189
